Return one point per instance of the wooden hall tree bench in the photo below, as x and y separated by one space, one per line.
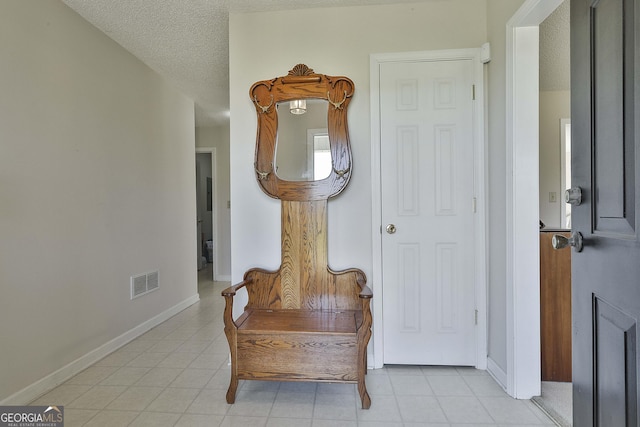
304 321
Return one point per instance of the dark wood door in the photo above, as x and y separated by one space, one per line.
605 82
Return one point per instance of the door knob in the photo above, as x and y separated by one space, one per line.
391 228
558 241
573 196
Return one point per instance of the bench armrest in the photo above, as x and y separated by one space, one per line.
231 290
229 325
365 292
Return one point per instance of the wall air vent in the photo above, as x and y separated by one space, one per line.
144 283
152 281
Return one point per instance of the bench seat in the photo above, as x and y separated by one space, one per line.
298 345
306 321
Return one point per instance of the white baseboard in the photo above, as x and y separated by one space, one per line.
497 373
223 278
56 378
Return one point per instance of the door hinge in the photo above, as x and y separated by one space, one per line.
473 92
474 205
476 317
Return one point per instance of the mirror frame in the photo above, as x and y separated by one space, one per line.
302 83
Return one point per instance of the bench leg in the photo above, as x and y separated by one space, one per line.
231 331
364 395
231 393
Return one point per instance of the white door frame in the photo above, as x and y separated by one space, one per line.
480 183
214 196
563 169
522 167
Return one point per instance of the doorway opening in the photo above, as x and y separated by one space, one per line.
522 379
555 177
523 376
205 209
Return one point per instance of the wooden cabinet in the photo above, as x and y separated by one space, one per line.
555 308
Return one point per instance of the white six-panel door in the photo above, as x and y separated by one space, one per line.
427 197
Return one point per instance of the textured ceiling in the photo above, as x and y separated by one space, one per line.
554 50
187 41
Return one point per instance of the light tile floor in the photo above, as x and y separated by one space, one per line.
177 375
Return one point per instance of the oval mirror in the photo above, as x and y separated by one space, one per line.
303 150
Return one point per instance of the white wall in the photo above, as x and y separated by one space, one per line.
498 13
97 183
339 41
554 105
218 138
